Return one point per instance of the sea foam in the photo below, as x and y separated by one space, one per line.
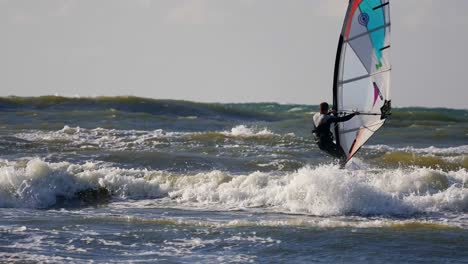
133 139
245 131
323 190
429 150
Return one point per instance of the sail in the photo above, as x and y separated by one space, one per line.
362 73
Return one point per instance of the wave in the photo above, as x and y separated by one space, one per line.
451 158
174 108
415 116
429 150
38 184
100 137
244 131
115 139
279 220
322 191
429 161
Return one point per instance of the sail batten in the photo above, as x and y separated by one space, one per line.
362 73
364 76
368 32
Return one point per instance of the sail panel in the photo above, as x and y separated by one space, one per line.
357 95
353 66
361 47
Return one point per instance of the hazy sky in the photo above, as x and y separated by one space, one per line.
221 50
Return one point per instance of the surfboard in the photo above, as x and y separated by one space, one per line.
362 73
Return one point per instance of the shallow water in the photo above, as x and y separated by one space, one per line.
140 180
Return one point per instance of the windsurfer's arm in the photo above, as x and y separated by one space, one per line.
336 119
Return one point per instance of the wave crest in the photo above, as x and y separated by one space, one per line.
138 139
324 190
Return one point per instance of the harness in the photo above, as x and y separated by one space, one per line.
322 133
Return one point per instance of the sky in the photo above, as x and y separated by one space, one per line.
221 50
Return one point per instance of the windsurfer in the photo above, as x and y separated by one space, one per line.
323 135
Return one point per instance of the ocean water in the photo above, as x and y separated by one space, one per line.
126 179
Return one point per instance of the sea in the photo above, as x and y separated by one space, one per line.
136 180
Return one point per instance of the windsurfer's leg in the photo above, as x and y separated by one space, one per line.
332 149
337 153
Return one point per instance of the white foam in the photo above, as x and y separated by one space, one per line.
193 242
33 258
129 139
13 229
327 190
244 131
38 184
322 191
100 137
296 109
429 150
109 243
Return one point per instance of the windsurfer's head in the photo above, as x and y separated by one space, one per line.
324 108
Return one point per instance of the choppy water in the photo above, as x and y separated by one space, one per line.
136 180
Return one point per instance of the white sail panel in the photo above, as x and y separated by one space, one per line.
352 66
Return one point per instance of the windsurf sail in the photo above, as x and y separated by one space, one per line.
362 73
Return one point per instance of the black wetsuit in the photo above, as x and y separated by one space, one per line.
324 137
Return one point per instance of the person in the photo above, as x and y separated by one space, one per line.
323 135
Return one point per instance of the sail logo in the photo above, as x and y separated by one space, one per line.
377 94
364 19
378 65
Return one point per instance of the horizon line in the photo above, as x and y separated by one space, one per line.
206 102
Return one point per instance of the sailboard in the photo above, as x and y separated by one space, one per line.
362 73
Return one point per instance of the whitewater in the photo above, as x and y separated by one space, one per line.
130 179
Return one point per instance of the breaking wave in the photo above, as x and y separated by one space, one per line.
137 139
244 131
323 191
100 137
